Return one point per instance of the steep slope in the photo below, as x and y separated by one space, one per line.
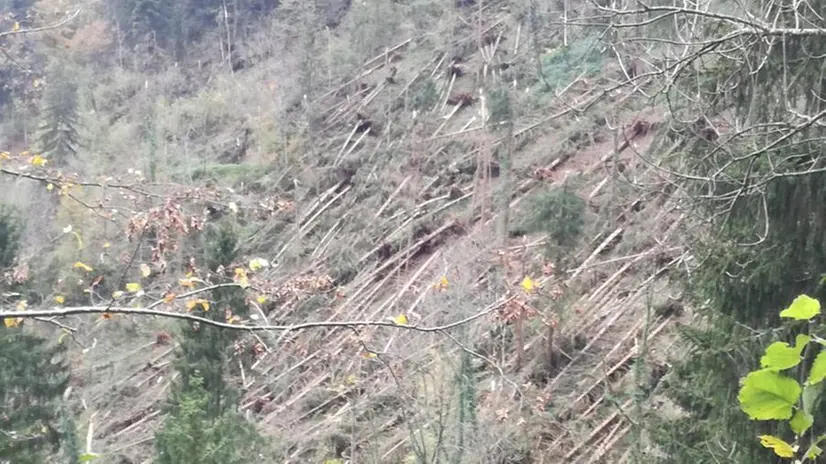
367 195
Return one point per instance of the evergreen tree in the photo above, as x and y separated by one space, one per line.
768 227
71 449
203 424
194 436
32 380
10 234
559 212
205 350
33 375
173 26
138 19
59 137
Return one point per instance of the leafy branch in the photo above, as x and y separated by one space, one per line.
767 394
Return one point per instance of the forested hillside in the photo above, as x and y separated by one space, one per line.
411 231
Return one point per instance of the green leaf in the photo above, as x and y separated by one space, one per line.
818 371
780 447
801 422
779 355
803 307
768 395
813 452
810 395
88 456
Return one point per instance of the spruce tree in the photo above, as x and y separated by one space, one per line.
59 137
33 375
765 240
32 380
11 230
203 426
70 446
192 435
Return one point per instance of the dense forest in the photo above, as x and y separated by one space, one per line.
412 231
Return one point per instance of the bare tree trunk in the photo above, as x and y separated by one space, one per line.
229 37
505 189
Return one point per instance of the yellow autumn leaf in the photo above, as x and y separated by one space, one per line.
442 284
15 27
5 155
350 380
169 297
261 299
38 160
192 304
369 355
60 299
528 285
241 277
22 305
259 263
106 244
133 287
401 319
79 240
145 270
117 295
11 322
780 447
83 266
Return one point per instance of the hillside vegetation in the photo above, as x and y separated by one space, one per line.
402 231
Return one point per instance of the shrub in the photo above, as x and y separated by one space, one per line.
559 212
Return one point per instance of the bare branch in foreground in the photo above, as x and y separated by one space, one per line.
41 29
63 312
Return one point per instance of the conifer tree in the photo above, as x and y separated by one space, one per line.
31 382
204 426
59 133
70 445
33 375
10 234
765 239
192 435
